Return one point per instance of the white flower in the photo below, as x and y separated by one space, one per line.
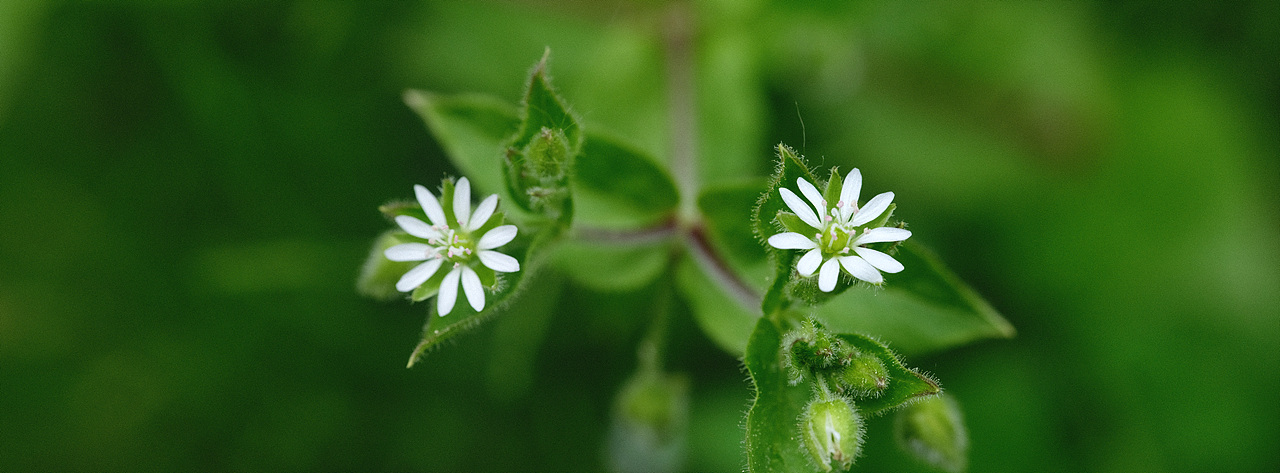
839 228
455 244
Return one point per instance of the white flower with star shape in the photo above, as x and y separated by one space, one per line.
455 244
839 232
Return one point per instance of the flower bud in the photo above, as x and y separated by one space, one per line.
548 155
650 420
933 431
832 433
865 376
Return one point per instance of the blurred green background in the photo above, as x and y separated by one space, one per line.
187 190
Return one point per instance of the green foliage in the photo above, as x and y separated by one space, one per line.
772 431
905 384
622 185
790 371
923 309
933 431
550 164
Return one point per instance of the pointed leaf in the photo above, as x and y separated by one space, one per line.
765 223
905 384
924 308
617 185
543 108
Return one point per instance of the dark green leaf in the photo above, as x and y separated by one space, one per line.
905 384
543 108
773 435
471 129
924 308
620 182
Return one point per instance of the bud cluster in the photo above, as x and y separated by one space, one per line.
812 350
538 172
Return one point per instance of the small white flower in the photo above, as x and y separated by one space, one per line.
839 233
453 244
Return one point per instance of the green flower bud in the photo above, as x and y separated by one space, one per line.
650 421
933 431
548 155
865 376
832 433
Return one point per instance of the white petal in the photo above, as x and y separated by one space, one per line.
418 275
408 252
483 212
809 262
878 259
849 193
416 227
800 208
873 209
431 206
498 261
497 237
827 277
813 195
448 292
861 269
882 234
472 288
791 241
462 202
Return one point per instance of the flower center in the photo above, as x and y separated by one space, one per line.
835 239
453 245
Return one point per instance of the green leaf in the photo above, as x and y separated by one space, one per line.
541 153
378 276
724 319
526 250
543 108
773 436
471 129
905 384
606 266
617 185
765 224
925 308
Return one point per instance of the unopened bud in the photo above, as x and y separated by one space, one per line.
650 420
832 433
933 431
865 376
548 155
